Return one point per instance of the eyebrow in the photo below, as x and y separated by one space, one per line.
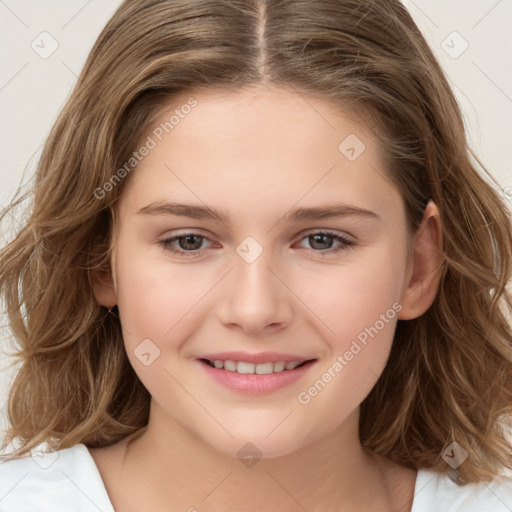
331 211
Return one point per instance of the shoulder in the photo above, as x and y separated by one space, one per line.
55 481
434 491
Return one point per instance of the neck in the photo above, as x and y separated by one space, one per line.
165 464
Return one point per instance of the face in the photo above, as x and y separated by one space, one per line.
272 278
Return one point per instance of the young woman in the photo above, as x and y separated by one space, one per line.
261 271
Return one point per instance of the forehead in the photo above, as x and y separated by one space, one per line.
258 106
270 143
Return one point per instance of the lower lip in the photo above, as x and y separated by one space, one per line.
253 383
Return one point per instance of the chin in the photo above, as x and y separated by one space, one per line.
247 448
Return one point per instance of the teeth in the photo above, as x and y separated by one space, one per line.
264 368
242 367
261 369
230 365
279 367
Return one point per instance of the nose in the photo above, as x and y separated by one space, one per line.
254 297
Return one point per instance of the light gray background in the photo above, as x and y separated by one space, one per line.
34 86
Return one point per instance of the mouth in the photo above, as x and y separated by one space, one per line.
244 367
252 373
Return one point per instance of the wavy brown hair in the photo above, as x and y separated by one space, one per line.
449 374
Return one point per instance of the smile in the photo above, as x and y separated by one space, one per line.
260 369
255 378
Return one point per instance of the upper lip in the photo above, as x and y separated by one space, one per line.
260 357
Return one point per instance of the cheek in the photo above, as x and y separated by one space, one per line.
153 292
361 316
357 306
352 296
156 308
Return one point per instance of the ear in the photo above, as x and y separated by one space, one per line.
103 285
425 268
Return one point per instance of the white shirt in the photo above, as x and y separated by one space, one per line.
69 481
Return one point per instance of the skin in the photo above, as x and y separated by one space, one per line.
256 154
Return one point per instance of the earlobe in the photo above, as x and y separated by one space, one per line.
103 287
427 266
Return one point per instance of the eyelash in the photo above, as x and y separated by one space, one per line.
346 244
